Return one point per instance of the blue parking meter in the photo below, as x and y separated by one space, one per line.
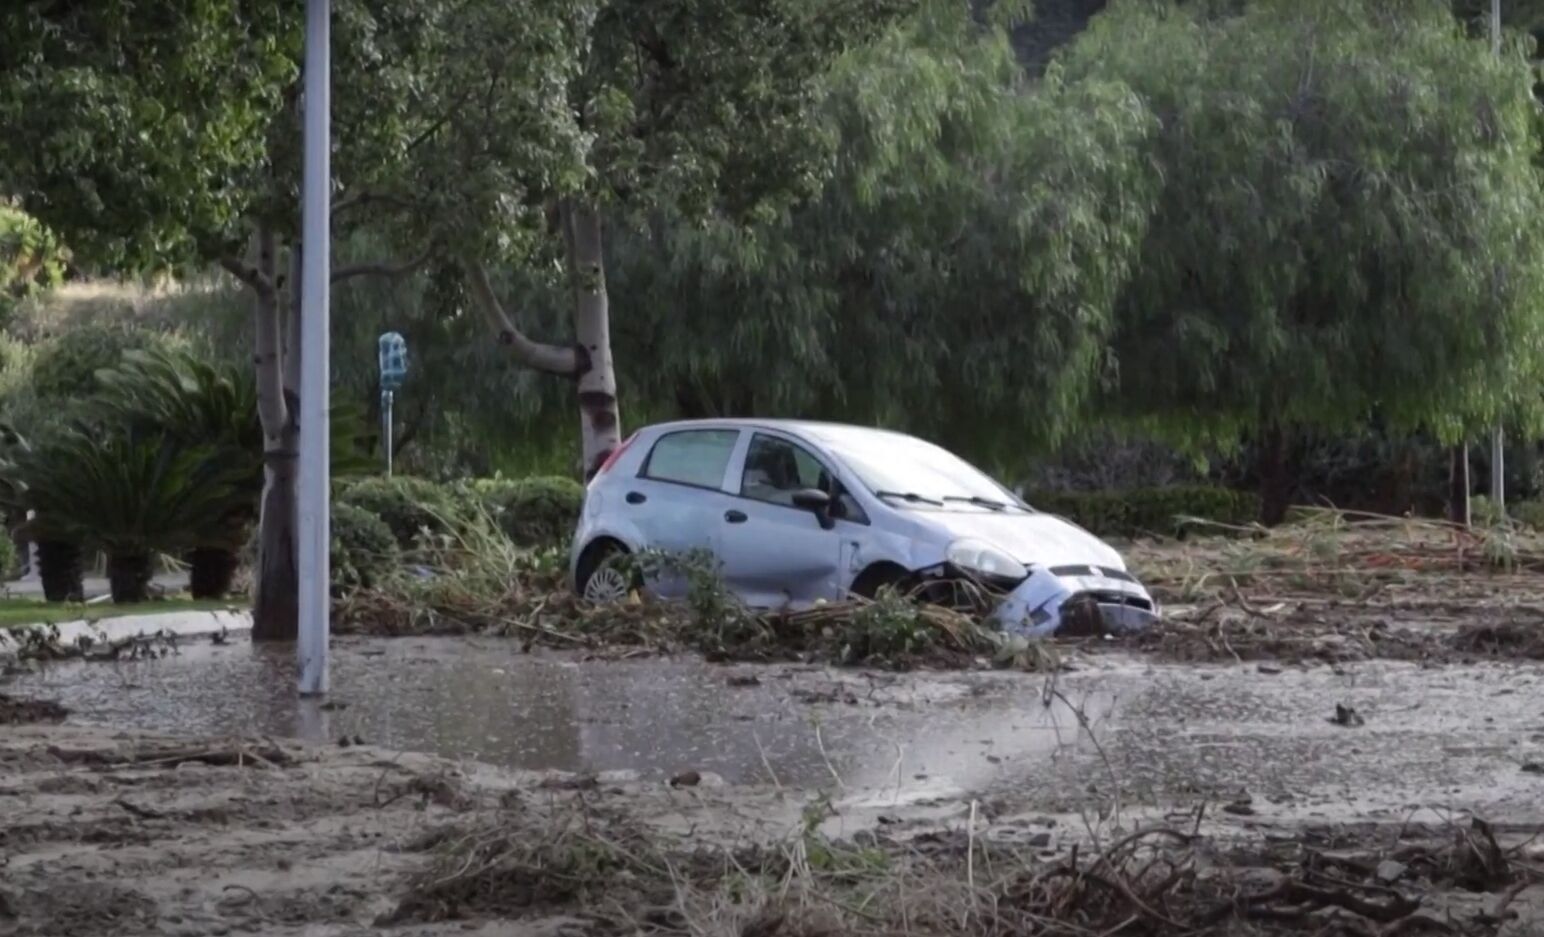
392 355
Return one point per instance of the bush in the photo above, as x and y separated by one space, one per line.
1528 513
533 512
409 506
363 551
1150 510
8 556
66 366
1483 512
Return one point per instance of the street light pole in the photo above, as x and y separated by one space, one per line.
316 277
1497 439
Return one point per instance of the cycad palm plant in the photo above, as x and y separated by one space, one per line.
60 557
133 495
214 406
196 404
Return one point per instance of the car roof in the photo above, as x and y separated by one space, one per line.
814 428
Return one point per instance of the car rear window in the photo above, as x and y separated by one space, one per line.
692 457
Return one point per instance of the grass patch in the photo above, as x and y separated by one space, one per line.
17 612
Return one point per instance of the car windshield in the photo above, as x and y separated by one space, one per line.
893 465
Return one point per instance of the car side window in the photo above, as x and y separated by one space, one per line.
696 457
775 469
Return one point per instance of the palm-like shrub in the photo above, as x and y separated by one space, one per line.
133 495
198 404
194 403
60 557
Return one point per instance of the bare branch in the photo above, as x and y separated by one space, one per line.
382 269
554 359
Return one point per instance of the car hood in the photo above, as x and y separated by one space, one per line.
1032 539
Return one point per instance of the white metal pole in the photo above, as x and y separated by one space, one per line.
1498 437
316 240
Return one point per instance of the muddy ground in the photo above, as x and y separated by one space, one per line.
111 833
1333 734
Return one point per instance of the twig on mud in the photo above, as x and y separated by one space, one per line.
821 744
765 761
1088 729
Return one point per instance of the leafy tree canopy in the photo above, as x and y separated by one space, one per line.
956 275
1349 224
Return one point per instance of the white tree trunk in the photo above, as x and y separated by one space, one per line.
600 423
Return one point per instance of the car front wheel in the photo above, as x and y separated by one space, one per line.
605 578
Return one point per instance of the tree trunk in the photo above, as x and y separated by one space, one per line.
1275 481
1458 485
600 423
59 567
128 576
275 608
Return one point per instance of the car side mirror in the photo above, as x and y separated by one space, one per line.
813 499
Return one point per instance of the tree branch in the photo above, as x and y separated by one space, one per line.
248 275
382 269
554 359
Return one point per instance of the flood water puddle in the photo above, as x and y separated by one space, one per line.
1457 736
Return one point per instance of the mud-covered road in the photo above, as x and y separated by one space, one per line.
1117 729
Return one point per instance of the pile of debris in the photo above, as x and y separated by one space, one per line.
1366 882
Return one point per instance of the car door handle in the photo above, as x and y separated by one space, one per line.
636 497
735 517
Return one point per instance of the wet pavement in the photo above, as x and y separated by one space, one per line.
1456 737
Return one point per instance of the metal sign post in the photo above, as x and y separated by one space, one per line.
316 279
392 355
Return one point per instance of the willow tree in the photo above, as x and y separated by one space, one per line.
694 108
167 136
955 276
1349 226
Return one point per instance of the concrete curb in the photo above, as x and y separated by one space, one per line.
185 624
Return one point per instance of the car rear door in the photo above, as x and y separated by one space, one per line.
773 553
678 498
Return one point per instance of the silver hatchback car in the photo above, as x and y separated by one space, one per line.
798 512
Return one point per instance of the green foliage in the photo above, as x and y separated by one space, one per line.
411 507
1527 513
126 492
8 556
1350 221
66 366
1140 511
199 405
31 258
364 553
538 511
973 223
130 130
890 627
1485 512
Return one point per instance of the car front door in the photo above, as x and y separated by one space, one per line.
678 500
775 554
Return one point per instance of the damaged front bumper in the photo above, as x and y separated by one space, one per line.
1076 601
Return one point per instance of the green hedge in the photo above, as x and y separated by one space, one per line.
363 551
1149 510
409 506
533 512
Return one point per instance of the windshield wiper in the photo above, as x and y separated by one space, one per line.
983 502
910 496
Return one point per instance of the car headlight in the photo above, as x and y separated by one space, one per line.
984 559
